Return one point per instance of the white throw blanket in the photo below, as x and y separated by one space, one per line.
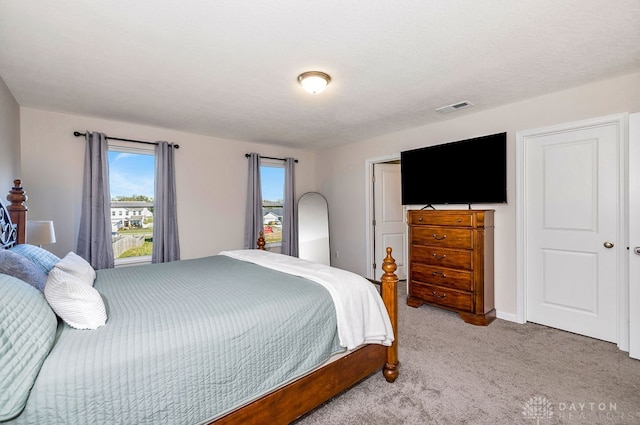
361 315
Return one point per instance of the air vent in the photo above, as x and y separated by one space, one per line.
454 107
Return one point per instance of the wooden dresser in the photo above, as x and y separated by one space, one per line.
451 262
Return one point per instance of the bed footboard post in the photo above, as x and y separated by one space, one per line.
261 242
18 210
389 292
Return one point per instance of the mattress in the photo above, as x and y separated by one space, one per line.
185 342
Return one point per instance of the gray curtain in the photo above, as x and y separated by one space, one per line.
254 220
289 218
94 236
166 246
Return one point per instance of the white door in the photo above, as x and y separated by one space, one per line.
390 228
634 235
571 226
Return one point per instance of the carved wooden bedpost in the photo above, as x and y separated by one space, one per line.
261 241
389 290
18 210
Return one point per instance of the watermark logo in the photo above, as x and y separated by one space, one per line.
537 407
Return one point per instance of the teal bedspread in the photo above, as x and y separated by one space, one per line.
184 343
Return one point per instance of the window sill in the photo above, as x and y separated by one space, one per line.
132 261
273 247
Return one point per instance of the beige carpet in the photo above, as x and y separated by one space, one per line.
455 373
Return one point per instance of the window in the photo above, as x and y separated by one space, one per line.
131 182
272 181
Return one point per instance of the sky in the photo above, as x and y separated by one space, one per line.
272 181
133 173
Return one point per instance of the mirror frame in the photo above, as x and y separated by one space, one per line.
320 253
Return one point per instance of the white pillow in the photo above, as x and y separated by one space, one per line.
74 264
77 303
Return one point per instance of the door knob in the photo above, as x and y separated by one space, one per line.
637 250
608 244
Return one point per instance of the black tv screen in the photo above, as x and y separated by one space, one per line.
471 171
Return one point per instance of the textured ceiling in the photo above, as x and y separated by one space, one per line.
229 68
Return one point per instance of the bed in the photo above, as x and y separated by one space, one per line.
245 336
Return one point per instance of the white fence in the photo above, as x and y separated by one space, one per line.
125 243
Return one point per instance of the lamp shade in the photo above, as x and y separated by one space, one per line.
314 81
40 232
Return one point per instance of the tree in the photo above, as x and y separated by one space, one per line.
139 198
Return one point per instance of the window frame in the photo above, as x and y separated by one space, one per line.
139 149
273 163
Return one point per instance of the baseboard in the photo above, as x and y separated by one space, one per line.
507 316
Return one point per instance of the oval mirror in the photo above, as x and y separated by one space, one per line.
313 228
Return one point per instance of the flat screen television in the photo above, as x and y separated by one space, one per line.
471 171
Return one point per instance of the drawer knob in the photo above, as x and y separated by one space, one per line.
439 257
419 218
438 274
435 294
439 238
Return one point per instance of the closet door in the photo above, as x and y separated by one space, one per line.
572 229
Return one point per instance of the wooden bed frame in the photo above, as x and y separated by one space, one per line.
290 402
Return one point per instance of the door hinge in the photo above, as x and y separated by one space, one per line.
373 223
375 266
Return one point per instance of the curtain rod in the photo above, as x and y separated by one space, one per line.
270 157
78 134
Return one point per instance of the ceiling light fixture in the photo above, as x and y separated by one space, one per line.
314 81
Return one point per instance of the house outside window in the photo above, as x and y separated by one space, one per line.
272 185
131 182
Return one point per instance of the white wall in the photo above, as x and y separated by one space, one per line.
211 178
342 177
9 139
211 172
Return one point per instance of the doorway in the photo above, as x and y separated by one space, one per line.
386 223
571 228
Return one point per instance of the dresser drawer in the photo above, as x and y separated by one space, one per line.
451 262
444 218
461 301
451 278
445 257
442 237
